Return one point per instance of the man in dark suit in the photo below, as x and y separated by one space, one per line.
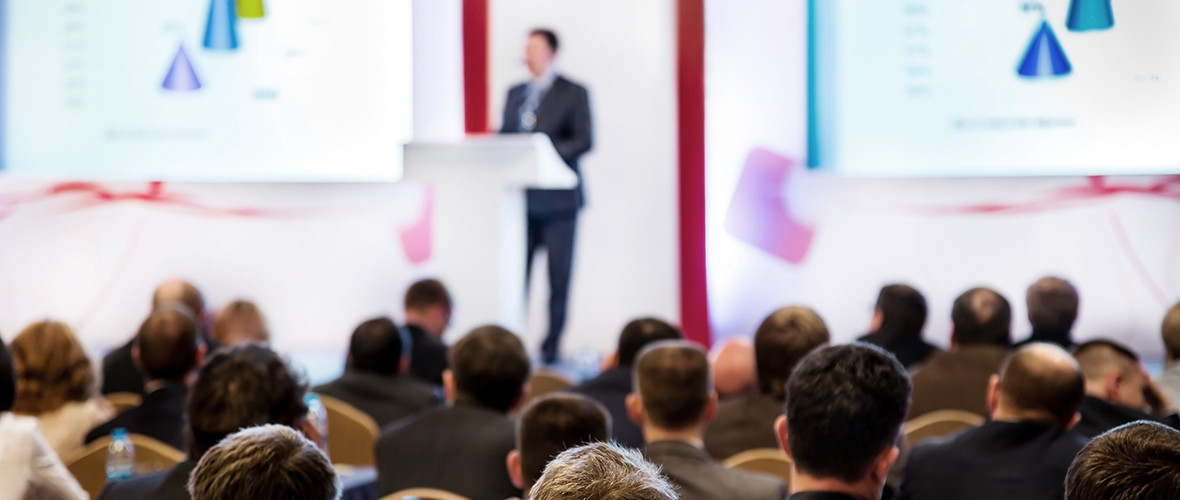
611 387
373 379
898 319
673 400
552 105
1052 309
428 314
842 420
462 448
747 422
981 334
1025 449
241 386
1118 389
548 426
119 373
167 351
1134 462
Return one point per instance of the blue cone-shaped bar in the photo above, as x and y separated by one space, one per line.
181 76
1045 56
1086 15
221 30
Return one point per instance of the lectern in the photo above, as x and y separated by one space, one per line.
478 231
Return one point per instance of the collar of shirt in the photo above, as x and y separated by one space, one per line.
545 80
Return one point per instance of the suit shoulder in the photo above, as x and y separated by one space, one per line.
561 80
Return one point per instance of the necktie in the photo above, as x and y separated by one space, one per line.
528 110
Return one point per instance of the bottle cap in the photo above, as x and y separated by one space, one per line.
119 433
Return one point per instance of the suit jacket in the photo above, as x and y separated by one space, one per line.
1011 460
564 116
610 388
428 356
743 424
910 350
461 448
956 380
1099 416
822 495
386 398
161 415
697 477
171 484
119 373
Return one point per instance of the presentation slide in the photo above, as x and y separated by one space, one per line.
206 90
952 88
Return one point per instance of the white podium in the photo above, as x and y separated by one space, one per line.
478 230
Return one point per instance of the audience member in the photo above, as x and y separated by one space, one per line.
1052 309
980 337
239 322
119 373
268 461
1024 450
747 423
1136 461
842 420
241 386
461 447
897 325
428 313
548 426
28 467
375 380
612 386
1169 381
167 351
1118 389
603 471
55 383
673 400
733 369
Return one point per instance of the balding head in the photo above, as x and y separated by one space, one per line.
183 292
981 316
1112 373
1039 382
1170 330
733 369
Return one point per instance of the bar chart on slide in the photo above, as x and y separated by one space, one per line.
207 89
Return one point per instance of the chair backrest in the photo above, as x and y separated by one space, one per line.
772 461
424 494
123 401
352 433
88 465
939 423
543 382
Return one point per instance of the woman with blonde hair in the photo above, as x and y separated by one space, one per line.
55 382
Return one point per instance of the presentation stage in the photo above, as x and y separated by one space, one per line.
994 87
205 90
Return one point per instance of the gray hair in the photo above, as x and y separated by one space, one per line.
268 461
602 471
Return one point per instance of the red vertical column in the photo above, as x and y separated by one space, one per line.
690 83
475 66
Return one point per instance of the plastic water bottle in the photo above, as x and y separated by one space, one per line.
317 416
120 456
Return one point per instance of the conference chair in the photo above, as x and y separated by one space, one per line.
123 401
424 494
939 423
88 465
352 434
544 382
771 461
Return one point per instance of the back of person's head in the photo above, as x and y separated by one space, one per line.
672 384
1112 372
51 368
180 291
1170 330
1136 461
733 368
167 345
1052 304
242 386
268 461
639 333
784 338
981 316
1042 382
7 379
376 347
489 367
902 309
552 424
426 293
844 409
602 471
239 322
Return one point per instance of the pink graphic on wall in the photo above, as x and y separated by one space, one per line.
759 215
417 238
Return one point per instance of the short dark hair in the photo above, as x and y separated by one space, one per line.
376 347
672 379
602 471
1097 357
7 379
549 36
1170 330
268 461
981 316
845 406
639 333
168 344
1135 461
554 423
903 309
490 367
783 338
242 386
425 293
1052 304
1043 377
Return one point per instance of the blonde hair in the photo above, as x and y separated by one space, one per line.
239 322
268 461
51 368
